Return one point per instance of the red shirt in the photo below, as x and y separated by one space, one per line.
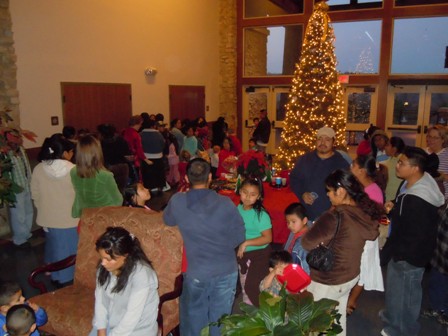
135 144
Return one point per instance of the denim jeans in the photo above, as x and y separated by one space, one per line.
205 301
21 217
438 290
403 298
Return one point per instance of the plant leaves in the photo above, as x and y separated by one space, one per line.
270 310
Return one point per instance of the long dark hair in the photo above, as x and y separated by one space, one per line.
345 179
117 241
258 205
54 147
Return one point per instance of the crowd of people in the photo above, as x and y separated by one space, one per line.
341 203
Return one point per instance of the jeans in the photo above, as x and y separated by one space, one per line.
205 301
438 290
21 217
403 298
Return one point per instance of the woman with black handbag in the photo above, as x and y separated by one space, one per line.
339 236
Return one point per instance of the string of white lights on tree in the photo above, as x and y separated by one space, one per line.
315 99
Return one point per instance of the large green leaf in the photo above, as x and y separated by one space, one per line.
248 309
246 327
271 310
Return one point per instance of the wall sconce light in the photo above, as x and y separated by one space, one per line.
150 71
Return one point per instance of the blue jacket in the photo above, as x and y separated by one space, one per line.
41 319
298 253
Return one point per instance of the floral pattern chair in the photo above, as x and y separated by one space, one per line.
70 309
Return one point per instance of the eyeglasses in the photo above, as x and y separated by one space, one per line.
433 137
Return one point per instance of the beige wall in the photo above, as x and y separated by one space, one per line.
112 41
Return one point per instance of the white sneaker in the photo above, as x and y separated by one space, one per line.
384 333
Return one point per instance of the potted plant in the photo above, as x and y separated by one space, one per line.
283 315
252 164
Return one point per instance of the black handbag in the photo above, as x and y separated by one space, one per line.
321 258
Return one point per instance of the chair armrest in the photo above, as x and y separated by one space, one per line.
175 293
56 266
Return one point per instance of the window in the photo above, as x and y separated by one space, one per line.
353 4
270 51
357 46
263 8
419 46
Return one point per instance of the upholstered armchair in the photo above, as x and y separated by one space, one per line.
70 309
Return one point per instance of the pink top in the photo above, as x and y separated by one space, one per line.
375 193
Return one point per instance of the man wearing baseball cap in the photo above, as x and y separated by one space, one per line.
309 173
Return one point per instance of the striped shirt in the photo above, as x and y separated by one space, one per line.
21 170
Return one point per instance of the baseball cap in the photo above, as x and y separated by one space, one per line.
325 131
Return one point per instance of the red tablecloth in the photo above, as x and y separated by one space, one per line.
275 202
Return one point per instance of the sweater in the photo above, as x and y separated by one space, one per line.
133 311
309 174
354 229
53 194
211 228
414 219
94 192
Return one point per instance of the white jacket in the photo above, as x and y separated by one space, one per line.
53 194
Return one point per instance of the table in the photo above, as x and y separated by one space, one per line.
275 202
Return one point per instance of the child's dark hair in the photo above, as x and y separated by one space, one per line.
7 290
256 182
19 320
117 241
378 173
69 132
296 209
279 256
129 195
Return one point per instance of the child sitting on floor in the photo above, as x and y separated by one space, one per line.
278 260
11 295
20 320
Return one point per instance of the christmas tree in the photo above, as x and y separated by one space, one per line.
315 99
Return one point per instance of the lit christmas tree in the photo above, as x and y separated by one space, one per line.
315 99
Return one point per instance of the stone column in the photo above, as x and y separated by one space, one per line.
227 62
9 96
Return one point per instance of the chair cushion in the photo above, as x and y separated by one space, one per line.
69 310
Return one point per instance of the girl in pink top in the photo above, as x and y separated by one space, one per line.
365 170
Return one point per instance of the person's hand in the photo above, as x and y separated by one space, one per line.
388 206
241 250
33 306
278 269
101 332
308 198
149 162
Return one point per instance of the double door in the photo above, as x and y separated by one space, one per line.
411 109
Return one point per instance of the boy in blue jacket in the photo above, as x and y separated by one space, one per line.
11 295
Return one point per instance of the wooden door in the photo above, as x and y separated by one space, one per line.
86 105
187 101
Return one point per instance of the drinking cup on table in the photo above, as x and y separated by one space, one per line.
283 181
278 182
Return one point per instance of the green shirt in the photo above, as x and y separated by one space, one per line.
94 192
254 225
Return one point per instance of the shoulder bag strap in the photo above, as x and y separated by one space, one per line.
338 215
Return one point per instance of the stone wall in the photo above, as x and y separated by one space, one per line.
9 96
228 62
